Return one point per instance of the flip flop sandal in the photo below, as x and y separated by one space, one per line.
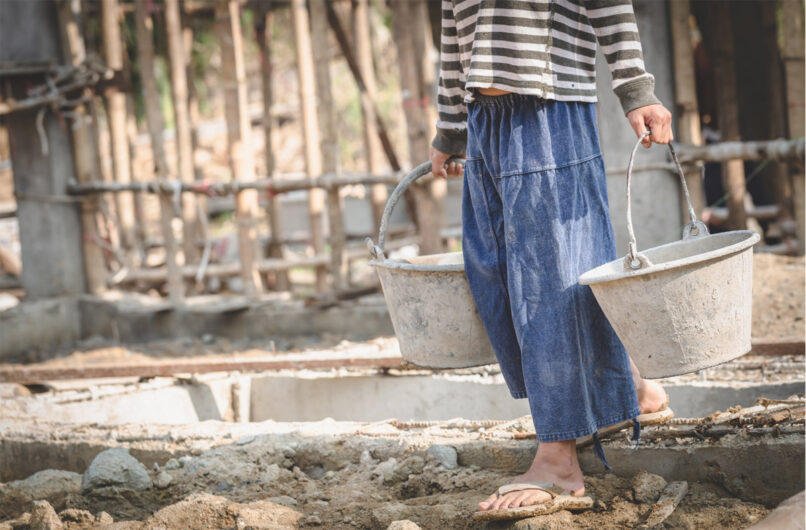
560 500
650 418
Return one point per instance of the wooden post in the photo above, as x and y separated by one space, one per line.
310 125
184 144
406 29
778 111
239 137
362 47
263 33
194 114
83 150
329 140
145 49
728 111
793 56
689 130
116 113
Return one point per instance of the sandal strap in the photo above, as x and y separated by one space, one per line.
549 487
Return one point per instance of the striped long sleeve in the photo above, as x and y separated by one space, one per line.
451 135
616 30
544 48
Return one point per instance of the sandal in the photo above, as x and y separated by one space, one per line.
561 499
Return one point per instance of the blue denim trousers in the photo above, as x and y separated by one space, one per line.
535 217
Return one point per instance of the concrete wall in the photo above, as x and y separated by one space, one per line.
35 329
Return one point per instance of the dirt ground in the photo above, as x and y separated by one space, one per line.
778 294
222 488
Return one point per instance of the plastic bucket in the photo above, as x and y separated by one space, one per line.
683 306
429 300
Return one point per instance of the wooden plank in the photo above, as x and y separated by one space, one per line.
184 142
83 151
159 274
792 52
362 47
239 138
773 347
320 37
689 130
310 126
39 373
733 177
145 49
263 34
116 114
407 29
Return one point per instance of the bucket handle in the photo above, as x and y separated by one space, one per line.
420 171
634 260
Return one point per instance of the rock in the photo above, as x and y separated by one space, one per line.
163 480
185 460
393 472
444 454
272 473
647 487
202 510
74 515
43 517
385 514
404 524
104 518
561 520
115 467
13 390
285 500
173 463
45 484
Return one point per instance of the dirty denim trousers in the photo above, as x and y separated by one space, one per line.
535 217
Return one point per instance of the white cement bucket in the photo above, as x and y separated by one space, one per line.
683 306
429 300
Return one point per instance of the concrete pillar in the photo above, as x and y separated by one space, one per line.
656 206
50 223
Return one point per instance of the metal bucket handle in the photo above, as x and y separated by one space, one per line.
695 228
416 173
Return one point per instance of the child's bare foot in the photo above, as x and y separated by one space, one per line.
554 462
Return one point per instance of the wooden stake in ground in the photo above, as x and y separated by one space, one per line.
83 151
407 28
362 47
689 130
310 126
116 113
728 111
793 56
263 33
239 137
184 145
329 138
145 52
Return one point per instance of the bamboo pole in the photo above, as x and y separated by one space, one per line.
184 144
733 178
367 103
362 48
325 182
793 56
407 31
145 47
86 171
689 130
329 139
263 33
310 125
116 114
239 137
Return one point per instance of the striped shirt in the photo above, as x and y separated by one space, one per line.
545 48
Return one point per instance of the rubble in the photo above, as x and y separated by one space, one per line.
115 467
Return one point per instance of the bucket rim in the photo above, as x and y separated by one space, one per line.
393 264
594 276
